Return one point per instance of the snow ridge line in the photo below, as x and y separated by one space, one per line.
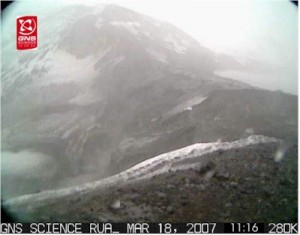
146 169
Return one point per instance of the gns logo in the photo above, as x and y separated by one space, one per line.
27 32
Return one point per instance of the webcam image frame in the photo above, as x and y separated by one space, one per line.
165 116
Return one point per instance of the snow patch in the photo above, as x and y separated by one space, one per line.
176 44
157 55
66 68
86 98
250 131
69 132
132 27
186 106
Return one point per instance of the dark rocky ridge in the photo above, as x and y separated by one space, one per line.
242 184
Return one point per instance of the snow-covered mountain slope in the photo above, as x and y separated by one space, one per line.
99 74
85 37
172 161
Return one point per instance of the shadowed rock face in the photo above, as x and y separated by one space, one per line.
100 93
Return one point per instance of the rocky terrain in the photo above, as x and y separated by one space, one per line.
256 182
237 185
224 115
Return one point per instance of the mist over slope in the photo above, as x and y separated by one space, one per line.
74 97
